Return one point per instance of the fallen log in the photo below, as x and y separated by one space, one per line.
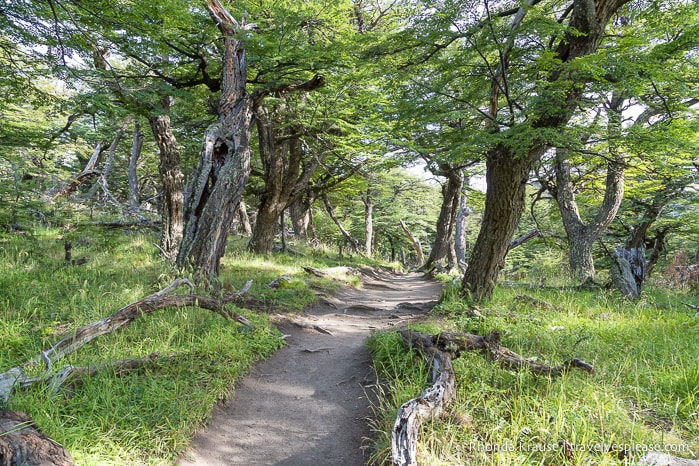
439 350
23 444
18 377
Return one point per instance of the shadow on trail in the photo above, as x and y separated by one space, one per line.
308 404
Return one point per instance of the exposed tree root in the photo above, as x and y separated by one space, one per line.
302 324
18 377
439 350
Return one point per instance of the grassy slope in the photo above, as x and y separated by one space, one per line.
146 417
645 392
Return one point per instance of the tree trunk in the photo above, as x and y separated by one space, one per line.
244 219
506 178
348 237
451 192
508 167
368 223
658 248
111 154
136 147
287 170
224 164
416 244
301 212
629 271
460 242
88 173
280 175
172 203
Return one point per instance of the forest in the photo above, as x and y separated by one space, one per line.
539 159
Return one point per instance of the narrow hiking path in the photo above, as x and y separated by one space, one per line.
308 404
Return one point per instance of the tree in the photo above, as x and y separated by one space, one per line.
581 235
537 65
443 246
634 97
224 165
509 162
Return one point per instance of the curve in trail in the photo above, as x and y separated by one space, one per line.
309 403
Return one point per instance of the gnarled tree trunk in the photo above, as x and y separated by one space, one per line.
224 164
287 169
460 229
301 213
581 236
506 176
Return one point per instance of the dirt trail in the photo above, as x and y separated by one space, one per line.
307 404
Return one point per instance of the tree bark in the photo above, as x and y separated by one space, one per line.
23 444
301 213
629 270
287 170
86 174
331 212
416 244
172 203
136 147
244 219
451 192
224 164
460 241
111 153
508 167
506 178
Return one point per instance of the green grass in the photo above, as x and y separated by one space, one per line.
645 391
148 416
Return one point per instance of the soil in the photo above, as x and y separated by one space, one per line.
310 403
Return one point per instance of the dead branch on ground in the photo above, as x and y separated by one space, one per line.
18 377
439 350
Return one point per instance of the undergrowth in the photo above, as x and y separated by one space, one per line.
147 416
644 394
